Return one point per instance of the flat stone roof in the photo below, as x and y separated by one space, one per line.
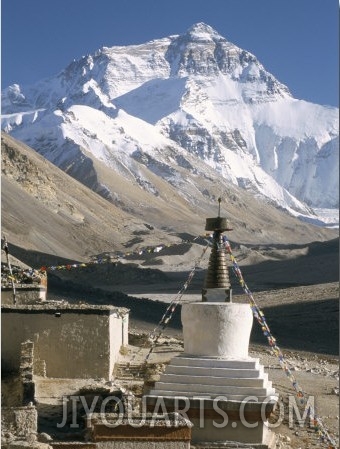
63 307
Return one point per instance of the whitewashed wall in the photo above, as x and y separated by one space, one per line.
80 343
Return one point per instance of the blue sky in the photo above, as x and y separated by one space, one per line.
295 40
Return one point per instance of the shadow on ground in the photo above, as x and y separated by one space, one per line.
306 326
309 326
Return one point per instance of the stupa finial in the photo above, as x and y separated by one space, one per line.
216 283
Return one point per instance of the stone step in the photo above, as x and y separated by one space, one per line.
124 371
222 390
231 445
247 373
131 367
220 380
155 394
217 362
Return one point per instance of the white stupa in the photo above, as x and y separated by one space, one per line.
225 393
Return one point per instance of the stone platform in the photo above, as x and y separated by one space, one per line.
231 398
211 377
215 384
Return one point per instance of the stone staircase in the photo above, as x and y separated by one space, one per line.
127 371
199 376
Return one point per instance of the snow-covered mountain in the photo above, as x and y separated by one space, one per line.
185 109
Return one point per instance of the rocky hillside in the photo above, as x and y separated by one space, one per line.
46 211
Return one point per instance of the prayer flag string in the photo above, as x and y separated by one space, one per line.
117 255
170 310
157 332
260 317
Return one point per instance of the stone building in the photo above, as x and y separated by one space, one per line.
70 341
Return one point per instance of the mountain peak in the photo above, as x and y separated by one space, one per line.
213 100
202 32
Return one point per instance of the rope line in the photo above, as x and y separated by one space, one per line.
118 255
168 314
158 331
259 316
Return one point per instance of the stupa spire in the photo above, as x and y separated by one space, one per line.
216 285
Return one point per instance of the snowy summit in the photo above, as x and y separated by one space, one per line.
172 106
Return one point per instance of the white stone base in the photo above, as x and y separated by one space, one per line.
211 377
225 393
225 399
218 329
232 431
261 438
218 419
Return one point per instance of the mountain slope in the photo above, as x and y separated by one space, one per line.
46 211
178 108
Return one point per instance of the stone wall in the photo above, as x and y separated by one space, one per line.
72 445
21 422
150 444
26 372
72 341
170 431
24 294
